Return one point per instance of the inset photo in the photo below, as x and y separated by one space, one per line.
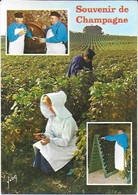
37 32
109 153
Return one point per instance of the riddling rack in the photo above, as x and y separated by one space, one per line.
102 156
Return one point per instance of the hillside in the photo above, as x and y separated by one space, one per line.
80 41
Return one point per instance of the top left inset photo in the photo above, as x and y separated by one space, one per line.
37 32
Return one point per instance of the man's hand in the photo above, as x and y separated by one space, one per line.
34 38
22 32
43 26
41 40
45 141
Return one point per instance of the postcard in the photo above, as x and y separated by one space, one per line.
68 97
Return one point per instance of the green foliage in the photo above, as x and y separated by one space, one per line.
80 153
113 95
77 90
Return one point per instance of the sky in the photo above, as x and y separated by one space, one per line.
130 28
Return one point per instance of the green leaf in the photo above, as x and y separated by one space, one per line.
14 96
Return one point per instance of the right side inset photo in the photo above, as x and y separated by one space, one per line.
109 153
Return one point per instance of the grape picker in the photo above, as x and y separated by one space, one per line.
80 62
58 145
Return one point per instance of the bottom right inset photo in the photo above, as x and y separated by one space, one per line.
109 153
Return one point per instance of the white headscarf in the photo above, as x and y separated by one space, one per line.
58 100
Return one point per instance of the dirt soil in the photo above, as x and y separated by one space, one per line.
98 178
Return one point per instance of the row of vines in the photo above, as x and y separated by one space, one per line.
98 42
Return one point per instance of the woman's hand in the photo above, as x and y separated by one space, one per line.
39 137
45 141
43 136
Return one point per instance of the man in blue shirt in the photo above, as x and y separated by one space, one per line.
16 35
80 62
56 35
120 150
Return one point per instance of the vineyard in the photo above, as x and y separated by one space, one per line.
98 42
107 95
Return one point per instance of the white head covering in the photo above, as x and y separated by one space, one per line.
58 100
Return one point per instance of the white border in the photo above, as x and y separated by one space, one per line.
87 150
68 25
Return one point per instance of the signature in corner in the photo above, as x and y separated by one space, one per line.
11 179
